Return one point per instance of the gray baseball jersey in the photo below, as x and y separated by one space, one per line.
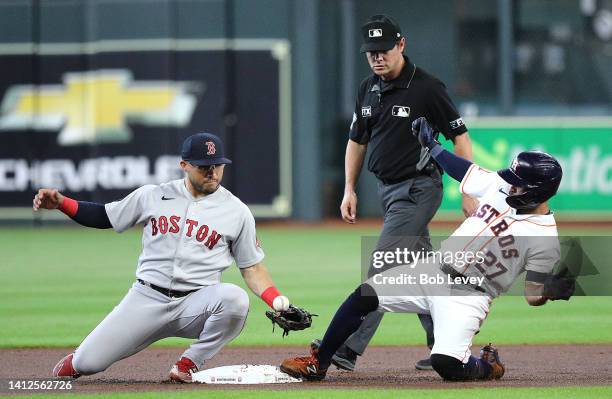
187 242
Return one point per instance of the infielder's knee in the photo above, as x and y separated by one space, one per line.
235 300
448 367
86 365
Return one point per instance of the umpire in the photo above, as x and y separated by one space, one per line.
409 183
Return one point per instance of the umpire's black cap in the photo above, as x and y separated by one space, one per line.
380 33
203 149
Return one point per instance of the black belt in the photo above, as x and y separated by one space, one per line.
165 291
452 272
428 170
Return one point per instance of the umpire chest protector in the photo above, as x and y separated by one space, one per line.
383 118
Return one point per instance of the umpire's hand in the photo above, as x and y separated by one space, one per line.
348 208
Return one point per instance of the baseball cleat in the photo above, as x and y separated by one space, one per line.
64 368
344 358
423 364
489 354
306 367
182 370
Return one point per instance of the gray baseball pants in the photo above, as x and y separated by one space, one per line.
213 315
408 208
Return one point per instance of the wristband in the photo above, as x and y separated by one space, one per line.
269 294
69 206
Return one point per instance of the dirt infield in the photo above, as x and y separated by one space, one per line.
383 367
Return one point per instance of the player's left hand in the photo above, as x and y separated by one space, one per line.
292 319
559 286
423 131
469 205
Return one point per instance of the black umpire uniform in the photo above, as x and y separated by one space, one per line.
409 183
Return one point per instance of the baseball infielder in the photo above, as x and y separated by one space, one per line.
194 229
511 232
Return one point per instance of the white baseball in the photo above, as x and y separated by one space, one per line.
280 303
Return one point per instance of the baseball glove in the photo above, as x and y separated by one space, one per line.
292 319
559 286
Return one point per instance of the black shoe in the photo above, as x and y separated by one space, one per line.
344 358
423 364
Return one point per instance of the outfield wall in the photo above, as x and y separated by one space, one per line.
277 80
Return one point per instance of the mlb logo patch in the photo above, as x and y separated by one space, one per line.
375 33
366 111
401 111
456 123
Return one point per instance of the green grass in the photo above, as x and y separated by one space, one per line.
472 393
58 283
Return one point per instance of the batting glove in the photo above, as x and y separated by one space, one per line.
423 131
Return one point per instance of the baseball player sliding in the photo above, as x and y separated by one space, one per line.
512 231
194 229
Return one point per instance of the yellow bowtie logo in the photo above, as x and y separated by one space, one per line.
95 106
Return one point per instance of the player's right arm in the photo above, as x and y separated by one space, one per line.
541 285
353 161
534 293
246 251
549 287
88 214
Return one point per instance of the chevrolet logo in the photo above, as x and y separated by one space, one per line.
95 106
